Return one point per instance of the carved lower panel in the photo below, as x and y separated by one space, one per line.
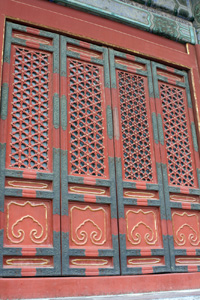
28 223
27 184
186 228
142 261
88 190
140 194
143 227
91 262
27 262
186 260
89 225
184 198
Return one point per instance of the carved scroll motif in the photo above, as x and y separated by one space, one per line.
140 228
29 222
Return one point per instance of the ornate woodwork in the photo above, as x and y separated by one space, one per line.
141 210
180 164
89 214
30 93
30 157
102 123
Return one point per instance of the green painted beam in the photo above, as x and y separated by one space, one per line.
137 16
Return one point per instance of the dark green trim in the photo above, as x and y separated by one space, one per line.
63 57
56 112
4 101
194 137
106 68
44 176
112 69
63 112
155 127
160 129
109 122
64 182
155 79
56 181
8 38
56 53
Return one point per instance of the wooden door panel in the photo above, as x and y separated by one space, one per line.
180 165
142 221
30 154
89 220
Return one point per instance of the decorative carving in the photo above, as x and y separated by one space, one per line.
197 12
88 225
89 262
131 64
141 225
28 221
180 168
87 150
31 39
27 184
87 190
169 75
87 52
144 261
134 194
27 262
135 128
143 17
182 198
188 261
186 229
29 145
165 26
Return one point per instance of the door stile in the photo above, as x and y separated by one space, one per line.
180 165
30 205
89 216
143 238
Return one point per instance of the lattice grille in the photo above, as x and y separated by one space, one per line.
135 130
29 125
176 136
86 119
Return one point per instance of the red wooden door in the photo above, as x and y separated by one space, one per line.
141 208
89 215
30 207
157 166
180 166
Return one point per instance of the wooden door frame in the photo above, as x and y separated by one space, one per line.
49 16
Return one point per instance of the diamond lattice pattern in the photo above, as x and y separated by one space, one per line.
29 125
87 148
176 136
135 130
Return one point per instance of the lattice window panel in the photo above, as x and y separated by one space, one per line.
135 129
87 150
30 101
176 136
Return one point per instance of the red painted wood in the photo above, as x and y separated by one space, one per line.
134 122
86 111
88 286
56 223
173 124
103 31
25 114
